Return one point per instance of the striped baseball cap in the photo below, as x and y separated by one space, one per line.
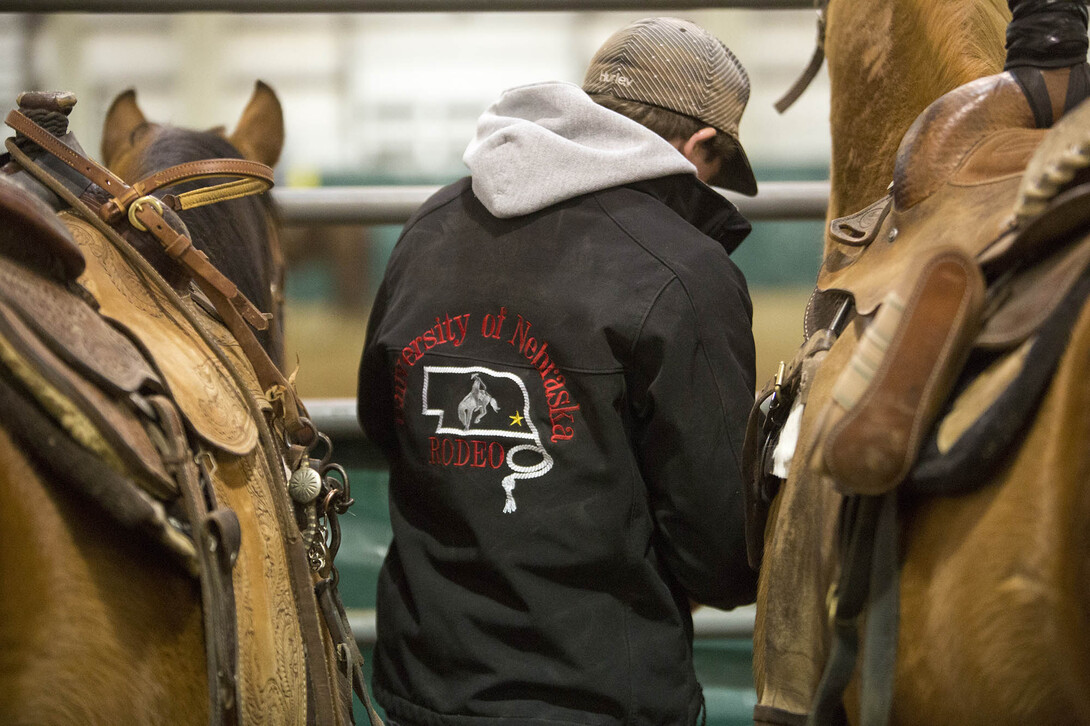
679 66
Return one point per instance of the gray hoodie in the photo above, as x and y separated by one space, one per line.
543 143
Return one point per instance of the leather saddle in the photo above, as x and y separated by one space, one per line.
976 185
145 403
974 181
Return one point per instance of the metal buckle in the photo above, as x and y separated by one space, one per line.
135 207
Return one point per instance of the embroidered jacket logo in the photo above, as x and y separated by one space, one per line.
467 403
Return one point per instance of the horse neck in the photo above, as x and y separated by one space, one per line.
888 60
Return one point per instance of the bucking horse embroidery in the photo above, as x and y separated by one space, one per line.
476 402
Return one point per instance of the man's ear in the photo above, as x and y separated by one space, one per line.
690 148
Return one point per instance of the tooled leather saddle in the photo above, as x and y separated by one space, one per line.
982 194
153 400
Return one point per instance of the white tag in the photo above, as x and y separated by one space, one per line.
789 439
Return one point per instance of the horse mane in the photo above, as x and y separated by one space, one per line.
963 36
236 234
888 60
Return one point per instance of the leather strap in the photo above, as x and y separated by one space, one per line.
878 664
217 589
237 312
98 174
348 653
1078 86
180 247
252 177
810 73
1033 86
256 178
858 520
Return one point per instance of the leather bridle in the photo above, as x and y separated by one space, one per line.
145 213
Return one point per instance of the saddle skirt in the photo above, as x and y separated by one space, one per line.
204 392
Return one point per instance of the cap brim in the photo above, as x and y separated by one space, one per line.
736 174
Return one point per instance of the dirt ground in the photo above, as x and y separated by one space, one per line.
326 344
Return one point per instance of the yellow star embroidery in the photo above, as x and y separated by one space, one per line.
516 420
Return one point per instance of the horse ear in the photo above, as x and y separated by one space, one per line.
122 119
260 131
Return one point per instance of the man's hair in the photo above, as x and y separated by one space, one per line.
669 125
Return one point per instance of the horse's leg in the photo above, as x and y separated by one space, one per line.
97 625
482 409
995 583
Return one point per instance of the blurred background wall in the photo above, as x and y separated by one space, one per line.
378 98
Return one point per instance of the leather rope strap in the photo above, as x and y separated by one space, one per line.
237 312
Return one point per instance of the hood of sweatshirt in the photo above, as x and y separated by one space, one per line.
548 142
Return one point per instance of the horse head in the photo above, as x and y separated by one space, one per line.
240 236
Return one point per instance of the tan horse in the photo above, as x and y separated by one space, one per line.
99 623
994 601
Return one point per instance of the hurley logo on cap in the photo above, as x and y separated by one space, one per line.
615 77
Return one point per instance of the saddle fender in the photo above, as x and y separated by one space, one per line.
886 399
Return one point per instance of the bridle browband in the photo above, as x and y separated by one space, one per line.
145 212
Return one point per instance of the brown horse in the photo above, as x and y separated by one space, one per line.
103 619
994 615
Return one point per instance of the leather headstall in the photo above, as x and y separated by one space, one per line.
134 204
145 212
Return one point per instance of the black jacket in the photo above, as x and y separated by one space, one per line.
562 398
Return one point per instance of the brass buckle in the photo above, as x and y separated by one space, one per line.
135 207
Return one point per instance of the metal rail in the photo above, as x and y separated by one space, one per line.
708 623
394 204
379 6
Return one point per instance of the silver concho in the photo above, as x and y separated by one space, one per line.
304 484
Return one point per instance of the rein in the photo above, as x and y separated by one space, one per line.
810 72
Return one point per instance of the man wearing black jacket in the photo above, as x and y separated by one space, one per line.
559 365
